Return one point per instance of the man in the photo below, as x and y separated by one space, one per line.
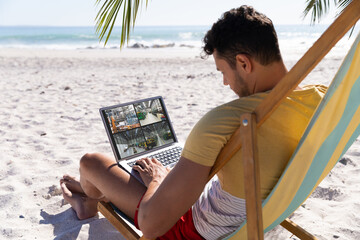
245 49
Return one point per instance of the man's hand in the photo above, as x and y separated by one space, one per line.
151 170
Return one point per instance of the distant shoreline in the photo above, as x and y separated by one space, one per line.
63 37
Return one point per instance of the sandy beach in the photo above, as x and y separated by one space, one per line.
50 119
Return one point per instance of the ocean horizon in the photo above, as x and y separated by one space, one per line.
141 37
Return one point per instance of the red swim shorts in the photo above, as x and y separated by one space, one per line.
183 229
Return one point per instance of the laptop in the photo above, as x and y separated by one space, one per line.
141 129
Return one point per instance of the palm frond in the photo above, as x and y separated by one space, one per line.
107 15
342 4
135 10
317 8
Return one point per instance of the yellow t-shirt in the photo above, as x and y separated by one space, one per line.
277 137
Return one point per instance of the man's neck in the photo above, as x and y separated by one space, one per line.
268 76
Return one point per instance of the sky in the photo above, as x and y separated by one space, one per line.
157 13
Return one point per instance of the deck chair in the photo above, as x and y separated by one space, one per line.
331 131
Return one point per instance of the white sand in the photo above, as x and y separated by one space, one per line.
49 105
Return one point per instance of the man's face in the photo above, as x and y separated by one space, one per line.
231 77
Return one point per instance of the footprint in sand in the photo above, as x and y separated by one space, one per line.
53 191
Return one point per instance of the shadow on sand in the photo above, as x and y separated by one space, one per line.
67 226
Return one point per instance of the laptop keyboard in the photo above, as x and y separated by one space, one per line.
167 157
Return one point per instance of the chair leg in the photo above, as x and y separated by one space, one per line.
297 230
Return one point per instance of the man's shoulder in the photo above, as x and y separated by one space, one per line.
215 128
231 111
238 106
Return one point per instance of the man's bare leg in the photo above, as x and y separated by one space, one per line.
101 180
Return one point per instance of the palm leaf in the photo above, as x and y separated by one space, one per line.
111 19
135 10
107 15
319 8
342 4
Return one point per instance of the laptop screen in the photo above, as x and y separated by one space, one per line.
137 127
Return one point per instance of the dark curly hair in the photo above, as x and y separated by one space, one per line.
243 31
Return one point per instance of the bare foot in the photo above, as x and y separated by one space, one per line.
83 206
72 184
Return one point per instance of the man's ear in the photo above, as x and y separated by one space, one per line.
243 63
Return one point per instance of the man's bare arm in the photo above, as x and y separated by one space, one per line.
166 201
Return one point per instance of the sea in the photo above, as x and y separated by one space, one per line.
144 37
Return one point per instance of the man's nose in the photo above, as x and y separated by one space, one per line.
225 81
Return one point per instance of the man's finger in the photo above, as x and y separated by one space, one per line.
147 160
154 160
138 167
142 163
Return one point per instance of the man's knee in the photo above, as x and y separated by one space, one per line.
91 161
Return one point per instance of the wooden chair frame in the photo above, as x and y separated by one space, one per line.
245 136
